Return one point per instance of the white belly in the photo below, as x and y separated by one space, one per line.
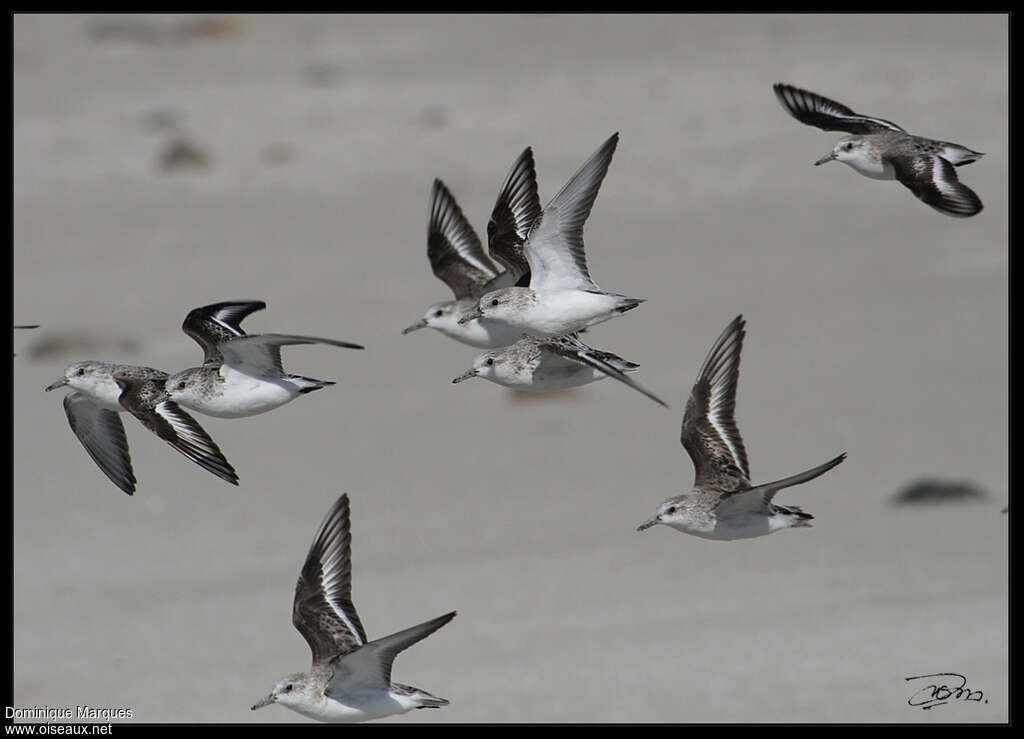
876 169
482 333
551 376
357 707
567 311
731 528
244 395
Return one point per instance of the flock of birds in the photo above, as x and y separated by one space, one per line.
241 376
525 302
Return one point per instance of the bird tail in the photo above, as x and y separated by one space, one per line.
308 384
794 514
627 303
426 700
958 155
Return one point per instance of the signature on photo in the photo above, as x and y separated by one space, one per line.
940 688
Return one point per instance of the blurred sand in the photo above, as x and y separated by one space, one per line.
875 326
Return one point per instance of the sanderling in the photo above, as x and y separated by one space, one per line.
881 150
561 298
350 679
101 391
457 257
722 504
541 365
241 374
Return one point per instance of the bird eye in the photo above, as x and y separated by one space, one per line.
670 510
494 302
81 371
848 146
490 361
181 385
438 314
287 688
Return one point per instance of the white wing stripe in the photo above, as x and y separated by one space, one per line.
715 419
327 584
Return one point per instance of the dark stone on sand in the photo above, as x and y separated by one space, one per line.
67 346
938 491
181 153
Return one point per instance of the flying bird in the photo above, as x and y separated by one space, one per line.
350 679
241 374
723 504
457 257
539 365
882 150
561 297
101 391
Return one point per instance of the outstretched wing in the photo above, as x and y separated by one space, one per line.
554 247
149 402
515 212
606 362
323 611
370 665
453 248
260 354
817 110
709 432
213 324
933 179
759 499
102 434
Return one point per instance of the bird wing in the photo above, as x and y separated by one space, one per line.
934 181
514 213
210 325
147 400
606 362
453 248
260 354
817 110
709 433
554 247
102 434
323 611
370 665
759 498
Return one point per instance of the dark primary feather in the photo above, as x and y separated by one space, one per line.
148 401
919 175
324 588
819 111
456 256
514 213
212 324
577 351
718 454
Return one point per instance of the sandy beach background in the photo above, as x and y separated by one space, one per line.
876 326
